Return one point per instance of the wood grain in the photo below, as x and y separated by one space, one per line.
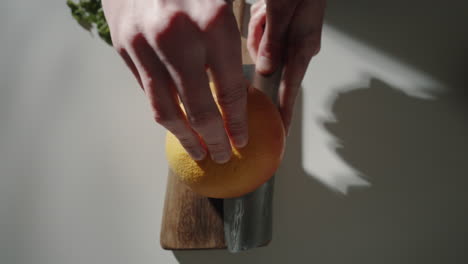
190 221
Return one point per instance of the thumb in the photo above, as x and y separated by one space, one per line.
278 17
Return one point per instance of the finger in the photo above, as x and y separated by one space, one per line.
256 6
162 94
126 57
183 53
256 28
279 14
287 96
224 59
293 73
303 44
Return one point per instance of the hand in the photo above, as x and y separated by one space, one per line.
286 31
168 45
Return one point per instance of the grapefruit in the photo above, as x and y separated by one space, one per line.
248 168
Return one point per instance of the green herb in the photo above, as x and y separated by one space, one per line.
90 15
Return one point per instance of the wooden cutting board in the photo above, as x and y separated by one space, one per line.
191 221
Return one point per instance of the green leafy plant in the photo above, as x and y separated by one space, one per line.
89 14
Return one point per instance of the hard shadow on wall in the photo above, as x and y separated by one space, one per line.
428 35
412 151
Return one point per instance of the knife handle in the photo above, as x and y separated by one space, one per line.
242 14
269 84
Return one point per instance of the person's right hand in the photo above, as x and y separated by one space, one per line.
168 45
287 31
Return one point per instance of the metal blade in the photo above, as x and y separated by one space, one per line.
248 219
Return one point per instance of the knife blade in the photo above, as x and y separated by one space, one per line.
248 219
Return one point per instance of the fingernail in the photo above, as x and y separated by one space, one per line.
241 141
221 157
264 64
198 154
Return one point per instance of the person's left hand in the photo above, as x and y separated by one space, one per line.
289 32
169 45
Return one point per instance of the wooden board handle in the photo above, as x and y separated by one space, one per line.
190 221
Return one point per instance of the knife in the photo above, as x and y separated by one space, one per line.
248 219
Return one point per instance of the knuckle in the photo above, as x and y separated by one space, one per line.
121 50
303 59
163 27
160 34
136 40
172 123
148 82
203 120
233 98
127 33
222 8
316 49
311 45
271 46
175 15
237 126
217 146
256 6
186 140
216 18
162 120
234 104
253 8
115 31
308 45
